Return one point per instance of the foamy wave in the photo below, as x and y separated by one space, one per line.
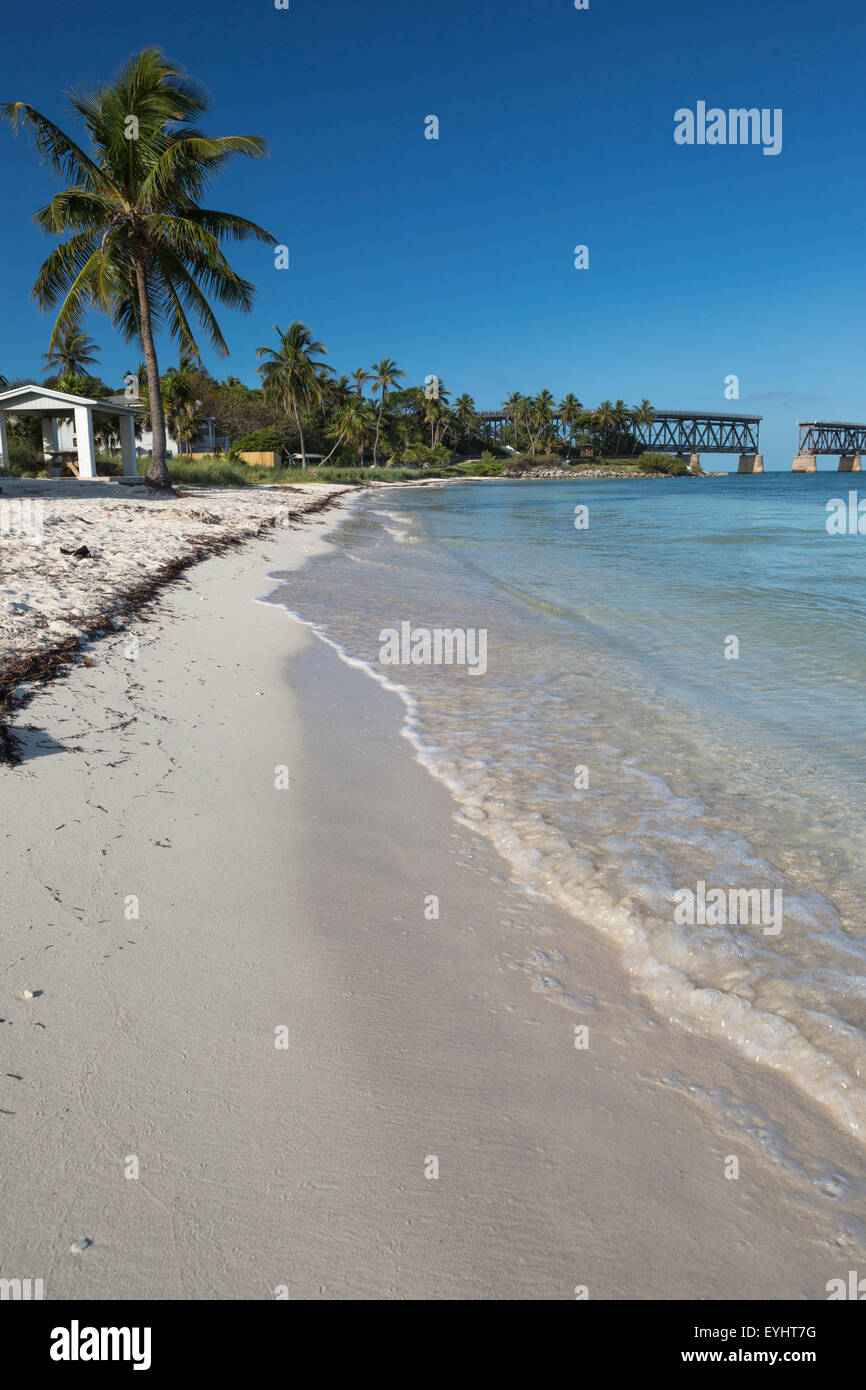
543 861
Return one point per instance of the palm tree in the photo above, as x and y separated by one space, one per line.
401 437
356 422
177 398
604 421
71 354
189 425
435 412
539 416
78 384
622 420
360 376
570 411
465 414
333 392
516 407
385 375
293 376
141 246
337 394
642 414
512 405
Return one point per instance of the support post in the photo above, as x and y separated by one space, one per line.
804 463
849 463
4 443
86 447
49 437
127 445
695 462
751 463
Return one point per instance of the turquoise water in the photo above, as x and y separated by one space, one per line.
606 651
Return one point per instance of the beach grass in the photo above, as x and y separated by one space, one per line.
213 471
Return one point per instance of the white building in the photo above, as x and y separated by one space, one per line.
206 441
67 425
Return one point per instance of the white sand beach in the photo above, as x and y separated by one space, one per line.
49 593
167 910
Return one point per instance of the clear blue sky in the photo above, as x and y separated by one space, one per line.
556 128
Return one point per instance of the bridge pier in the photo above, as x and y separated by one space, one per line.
849 463
805 463
751 463
695 462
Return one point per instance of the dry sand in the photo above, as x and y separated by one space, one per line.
148 787
48 593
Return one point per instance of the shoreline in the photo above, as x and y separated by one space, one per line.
153 1037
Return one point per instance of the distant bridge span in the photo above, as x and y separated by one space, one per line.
690 432
684 432
830 437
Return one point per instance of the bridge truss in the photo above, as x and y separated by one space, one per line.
683 431
832 437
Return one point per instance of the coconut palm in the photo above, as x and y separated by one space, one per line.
642 414
385 375
604 421
465 415
517 409
79 384
401 442
622 421
293 375
539 416
513 407
189 425
72 353
141 246
436 411
334 391
570 412
356 421
177 397
360 376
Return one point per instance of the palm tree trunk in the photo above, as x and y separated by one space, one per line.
301 433
157 473
335 448
378 423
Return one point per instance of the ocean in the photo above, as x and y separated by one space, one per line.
667 738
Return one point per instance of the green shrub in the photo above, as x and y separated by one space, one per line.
269 441
663 463
485 467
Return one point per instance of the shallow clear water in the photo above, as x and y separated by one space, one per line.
607 651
